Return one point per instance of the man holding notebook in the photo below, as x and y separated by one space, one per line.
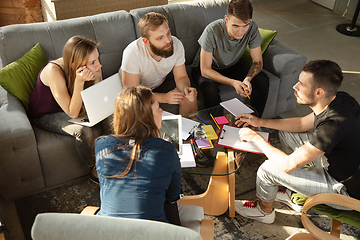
149 60
320 150
222 43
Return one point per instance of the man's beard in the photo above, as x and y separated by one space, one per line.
161 51
308 101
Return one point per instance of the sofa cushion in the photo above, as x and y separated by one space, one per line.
267 36
19 77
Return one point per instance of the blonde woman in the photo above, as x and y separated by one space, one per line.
139 173
56 97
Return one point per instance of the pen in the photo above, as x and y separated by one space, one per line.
202 120
199 152
193 147
221 135
214 121
246 93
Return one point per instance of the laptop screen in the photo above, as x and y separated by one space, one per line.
171 131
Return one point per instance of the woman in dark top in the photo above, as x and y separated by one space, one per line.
139 172
56 97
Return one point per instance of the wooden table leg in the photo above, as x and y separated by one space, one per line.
231 168
215 200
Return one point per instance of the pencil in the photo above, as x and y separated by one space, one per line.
214 121
202 120
246 93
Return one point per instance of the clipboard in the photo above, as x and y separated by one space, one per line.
229 137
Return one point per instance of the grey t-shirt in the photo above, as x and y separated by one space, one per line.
226 52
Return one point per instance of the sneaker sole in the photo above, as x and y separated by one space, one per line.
254 218
293 206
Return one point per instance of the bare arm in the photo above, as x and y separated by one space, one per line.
53 77
129 79
255 68
257 64
286 163
183 82
300 124
208 72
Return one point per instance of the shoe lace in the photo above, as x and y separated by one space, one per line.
250 204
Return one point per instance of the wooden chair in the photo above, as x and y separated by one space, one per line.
327 198
206 231
220 193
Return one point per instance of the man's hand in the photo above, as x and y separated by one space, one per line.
190 93
248 119
248 85
248 135
174 96
239 88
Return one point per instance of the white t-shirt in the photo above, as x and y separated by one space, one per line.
137 60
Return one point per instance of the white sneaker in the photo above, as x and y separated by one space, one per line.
251 209
284 196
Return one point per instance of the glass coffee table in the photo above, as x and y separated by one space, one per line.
220 193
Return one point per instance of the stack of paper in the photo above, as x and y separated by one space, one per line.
236 107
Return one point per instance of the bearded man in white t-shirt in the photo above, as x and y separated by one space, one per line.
149 59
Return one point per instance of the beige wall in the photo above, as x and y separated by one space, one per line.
64 9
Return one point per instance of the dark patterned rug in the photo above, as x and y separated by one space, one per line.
76 195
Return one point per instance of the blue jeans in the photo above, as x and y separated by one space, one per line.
84 136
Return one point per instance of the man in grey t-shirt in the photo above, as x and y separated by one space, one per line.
222 44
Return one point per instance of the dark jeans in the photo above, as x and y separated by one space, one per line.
83 136
172 213
211 92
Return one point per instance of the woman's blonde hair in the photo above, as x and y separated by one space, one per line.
76 50
134 120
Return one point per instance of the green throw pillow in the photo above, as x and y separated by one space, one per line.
19 77
267 36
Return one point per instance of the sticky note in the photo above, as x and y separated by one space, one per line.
210 132
204 143
221 120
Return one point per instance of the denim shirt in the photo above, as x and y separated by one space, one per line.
153 179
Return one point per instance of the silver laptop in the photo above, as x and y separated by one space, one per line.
99 101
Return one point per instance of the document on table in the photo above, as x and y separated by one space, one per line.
187 156
187 124
236 107
230 138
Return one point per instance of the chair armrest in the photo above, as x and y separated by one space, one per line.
325 198
90 210
280 59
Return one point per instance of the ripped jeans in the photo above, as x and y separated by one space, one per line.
307 181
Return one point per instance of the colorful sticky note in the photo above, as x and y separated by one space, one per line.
210 132
221 120
204 143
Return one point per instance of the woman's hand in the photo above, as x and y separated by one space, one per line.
83 74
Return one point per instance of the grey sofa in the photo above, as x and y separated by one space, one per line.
32 159
59 226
